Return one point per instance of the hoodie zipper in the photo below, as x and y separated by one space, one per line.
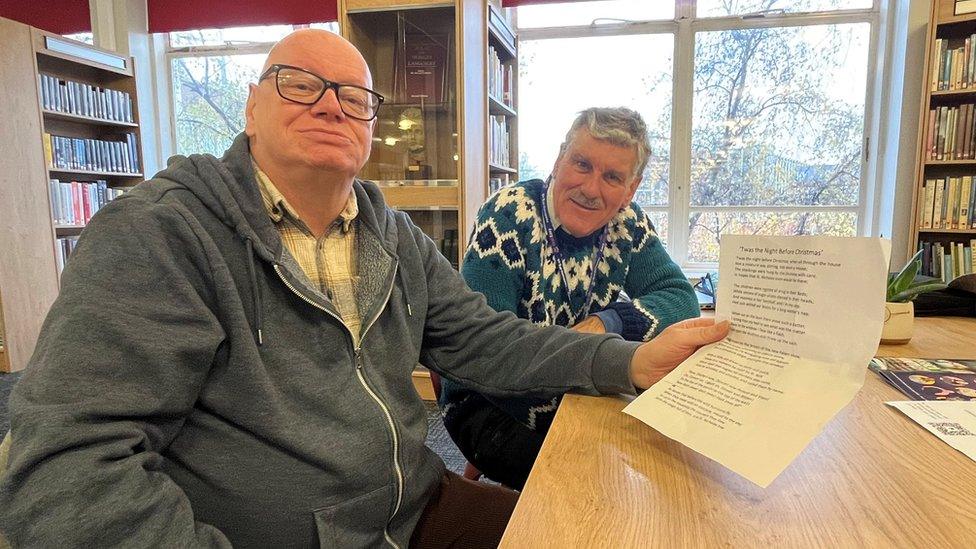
357 350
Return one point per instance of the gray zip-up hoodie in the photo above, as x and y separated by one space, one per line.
190 388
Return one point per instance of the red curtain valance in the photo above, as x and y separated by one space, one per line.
181 15
57 16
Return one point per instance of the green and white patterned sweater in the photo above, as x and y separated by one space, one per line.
510 261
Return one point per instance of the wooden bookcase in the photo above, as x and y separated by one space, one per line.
502 127
947 141
29 272
432 138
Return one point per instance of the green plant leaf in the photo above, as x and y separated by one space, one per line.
903 280
912 293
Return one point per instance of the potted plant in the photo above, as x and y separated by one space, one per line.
899 319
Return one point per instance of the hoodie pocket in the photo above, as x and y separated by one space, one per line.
357 522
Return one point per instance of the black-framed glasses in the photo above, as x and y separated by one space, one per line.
301 86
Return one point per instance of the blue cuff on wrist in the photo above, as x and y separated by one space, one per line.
612 322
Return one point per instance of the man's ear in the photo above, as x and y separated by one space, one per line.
252 90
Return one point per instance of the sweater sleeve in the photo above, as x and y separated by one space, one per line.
660 293
119 363
493 265
499 354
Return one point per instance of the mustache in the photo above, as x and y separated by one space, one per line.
583 200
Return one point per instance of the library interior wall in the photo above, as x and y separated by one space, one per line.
121 25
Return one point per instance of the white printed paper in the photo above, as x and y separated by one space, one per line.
806 316
953 421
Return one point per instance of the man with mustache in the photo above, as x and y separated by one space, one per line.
229 360
560 252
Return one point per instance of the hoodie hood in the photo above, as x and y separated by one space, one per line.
228 188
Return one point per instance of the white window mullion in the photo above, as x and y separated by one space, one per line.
681 123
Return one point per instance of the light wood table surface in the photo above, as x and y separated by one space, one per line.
872 478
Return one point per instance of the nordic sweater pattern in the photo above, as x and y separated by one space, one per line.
510 261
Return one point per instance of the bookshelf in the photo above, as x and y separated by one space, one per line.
943 216
69 112
431 140
502 89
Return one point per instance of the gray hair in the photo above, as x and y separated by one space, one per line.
619 126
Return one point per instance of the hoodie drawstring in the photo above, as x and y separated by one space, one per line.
403 287
255 293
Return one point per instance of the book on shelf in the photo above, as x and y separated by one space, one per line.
953 68
422 65
496 183
63 248
951 133
499 145
84 99
73 203
75 153
948 260
948 203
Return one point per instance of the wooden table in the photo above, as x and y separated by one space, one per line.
872 478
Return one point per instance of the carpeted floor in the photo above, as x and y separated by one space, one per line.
437 438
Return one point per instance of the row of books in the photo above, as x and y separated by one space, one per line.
85 99
75 153
948 261
948 203
950 133
500 78
75 202
953 68
496 183
62 249
499 141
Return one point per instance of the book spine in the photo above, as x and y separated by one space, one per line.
939 214
928 191
964 190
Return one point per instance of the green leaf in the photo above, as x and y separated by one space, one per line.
912 293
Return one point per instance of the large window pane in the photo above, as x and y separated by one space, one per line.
559 78
721 8
583 13
239 35
779 116
707 227
85 37
208 100
660 220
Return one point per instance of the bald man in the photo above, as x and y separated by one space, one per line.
229 360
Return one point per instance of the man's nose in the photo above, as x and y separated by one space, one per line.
328 104
591 185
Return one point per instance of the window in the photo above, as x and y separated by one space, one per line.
85 37
598 80
756 109
209 72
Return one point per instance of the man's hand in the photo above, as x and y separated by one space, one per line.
656 358
590 325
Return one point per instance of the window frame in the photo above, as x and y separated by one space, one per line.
167 53
684 29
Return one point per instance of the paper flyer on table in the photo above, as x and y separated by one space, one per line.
806 316
953 421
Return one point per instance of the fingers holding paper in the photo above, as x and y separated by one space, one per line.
656 358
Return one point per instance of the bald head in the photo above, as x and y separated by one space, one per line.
287 135
317 44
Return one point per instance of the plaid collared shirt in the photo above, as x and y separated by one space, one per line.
329 261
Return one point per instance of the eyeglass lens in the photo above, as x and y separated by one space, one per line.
303 87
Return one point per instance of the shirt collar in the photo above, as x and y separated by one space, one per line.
551 207
277 206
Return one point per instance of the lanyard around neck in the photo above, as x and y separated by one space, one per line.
595 259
